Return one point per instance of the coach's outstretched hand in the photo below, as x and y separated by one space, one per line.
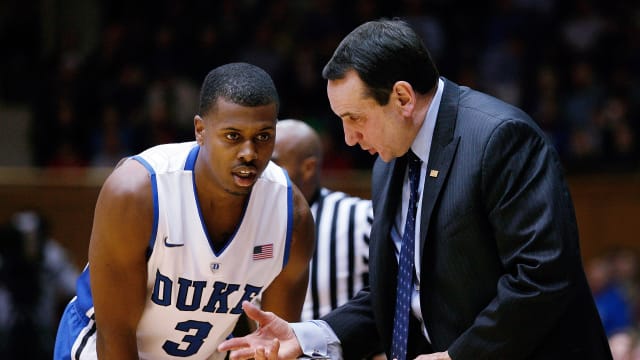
274 339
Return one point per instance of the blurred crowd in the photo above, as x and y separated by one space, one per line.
570 64
37 279
615 284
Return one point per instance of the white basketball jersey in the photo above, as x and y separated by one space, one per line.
194 293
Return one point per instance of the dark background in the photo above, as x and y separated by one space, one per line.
97 80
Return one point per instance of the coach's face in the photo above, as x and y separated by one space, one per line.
380 129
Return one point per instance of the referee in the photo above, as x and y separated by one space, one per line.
339 267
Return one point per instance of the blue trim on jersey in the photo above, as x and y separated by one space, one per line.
75 320
84 301
287 246
83 343
154 192
190 164
71 325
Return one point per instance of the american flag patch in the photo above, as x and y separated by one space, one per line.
263 252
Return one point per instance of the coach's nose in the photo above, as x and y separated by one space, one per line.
351 137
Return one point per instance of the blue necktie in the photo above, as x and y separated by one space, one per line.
405 265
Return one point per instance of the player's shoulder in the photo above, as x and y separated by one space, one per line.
299 201
171 157
275 174
128 181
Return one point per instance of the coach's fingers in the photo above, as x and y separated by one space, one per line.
260 354
254 313
272 354
269 353
243 354
234 344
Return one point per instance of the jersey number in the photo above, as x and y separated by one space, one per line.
194 341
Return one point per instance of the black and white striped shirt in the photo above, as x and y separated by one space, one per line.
340 265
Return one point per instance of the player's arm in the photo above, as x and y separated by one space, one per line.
117 259
285 296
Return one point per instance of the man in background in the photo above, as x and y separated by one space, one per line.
340 264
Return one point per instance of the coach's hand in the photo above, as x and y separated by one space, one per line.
274 339
435 356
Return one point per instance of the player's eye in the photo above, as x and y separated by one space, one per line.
263 137
232 136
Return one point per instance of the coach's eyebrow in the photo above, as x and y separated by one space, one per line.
348 113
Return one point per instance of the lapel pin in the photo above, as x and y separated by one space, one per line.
434 173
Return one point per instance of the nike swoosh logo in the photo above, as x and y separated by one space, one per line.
170 245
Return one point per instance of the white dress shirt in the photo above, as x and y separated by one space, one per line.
421 146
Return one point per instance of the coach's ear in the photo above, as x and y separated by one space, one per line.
403 97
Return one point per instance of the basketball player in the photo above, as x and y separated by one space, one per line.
339 268
184 233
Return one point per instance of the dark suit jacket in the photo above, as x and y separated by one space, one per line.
501 272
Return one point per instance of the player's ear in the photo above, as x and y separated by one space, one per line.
198 125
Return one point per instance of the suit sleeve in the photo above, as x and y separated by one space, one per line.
532 218
354 325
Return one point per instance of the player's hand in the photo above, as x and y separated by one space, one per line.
274 339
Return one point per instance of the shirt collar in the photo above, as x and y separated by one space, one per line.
422 143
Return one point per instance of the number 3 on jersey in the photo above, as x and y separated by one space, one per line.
194 341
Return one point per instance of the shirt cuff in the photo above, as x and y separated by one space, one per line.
317 340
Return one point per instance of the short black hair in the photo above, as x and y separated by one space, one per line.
383 52
241 83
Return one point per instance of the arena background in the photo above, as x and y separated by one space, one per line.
86 82
83 83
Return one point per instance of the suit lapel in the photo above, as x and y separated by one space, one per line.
443 149
392 190
387 181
